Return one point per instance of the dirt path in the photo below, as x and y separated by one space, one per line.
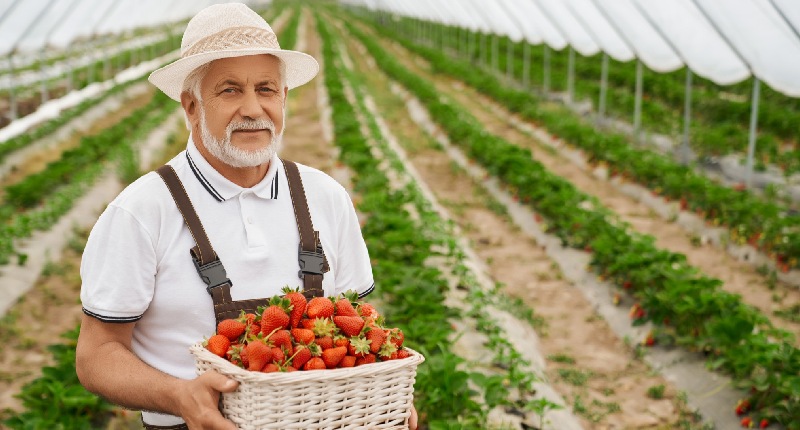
738 277
590 367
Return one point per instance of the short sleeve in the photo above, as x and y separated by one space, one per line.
354 271
118 268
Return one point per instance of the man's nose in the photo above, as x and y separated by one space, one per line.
251 108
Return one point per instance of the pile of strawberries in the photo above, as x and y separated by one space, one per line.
293 333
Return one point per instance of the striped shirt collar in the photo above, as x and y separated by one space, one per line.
220 188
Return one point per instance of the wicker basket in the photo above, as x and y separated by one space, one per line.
372 396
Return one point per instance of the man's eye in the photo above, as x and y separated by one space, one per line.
266 89
229 90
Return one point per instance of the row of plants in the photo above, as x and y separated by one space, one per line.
766 225
400 244
720 123
689 308
56 399
39 200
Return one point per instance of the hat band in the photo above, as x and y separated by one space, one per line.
234 38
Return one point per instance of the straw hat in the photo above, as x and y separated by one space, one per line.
224 31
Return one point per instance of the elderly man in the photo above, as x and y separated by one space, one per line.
143 300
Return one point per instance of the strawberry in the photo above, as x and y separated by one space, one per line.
367 310
350 326
303 335
324 327
747 422
231 328
271 367
376 337
333 356
344 307
303 353
299 303
237 354
277 355
307 323
359 346
340 340
396 336
281 339
403 353
347 361
743 407
259 354
367 359
763 424
218 345
387 351
275 316
319 307
315 363
325 342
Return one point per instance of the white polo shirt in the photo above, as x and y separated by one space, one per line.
136 265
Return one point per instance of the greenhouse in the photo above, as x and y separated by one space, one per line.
508 214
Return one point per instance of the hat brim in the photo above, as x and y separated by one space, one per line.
300 68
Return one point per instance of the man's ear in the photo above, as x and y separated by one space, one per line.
189 104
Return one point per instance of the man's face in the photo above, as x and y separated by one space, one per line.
242 109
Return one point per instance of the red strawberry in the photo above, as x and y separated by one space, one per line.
299 303
275 316
303 335
237 354
231 328
315 363
347 361
218 345
324 327
350 326
259 354
271 367
325 342
344 307
367 359
376 337
307 323
747 422
302 354
359 346
333 356
277 355
764 424
367 310
319 307
281 339
396 336
340 340
403 353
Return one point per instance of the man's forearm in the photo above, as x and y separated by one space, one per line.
117 374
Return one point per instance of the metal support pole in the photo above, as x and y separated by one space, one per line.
42 77
546 83
601 110
751 143
12 97
571 75
687 118
637 111
510 60
526 64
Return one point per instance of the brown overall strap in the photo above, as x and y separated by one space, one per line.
208 264
313 263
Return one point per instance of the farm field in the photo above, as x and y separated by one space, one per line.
555 273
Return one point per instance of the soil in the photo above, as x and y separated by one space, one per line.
596 372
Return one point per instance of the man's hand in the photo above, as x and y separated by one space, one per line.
199 401
412 421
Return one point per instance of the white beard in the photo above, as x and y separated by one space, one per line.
233 156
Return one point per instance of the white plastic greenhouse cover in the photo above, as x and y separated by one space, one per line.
530 33
645 41
699 45
601 30
29 25
577 36
498 21
537 20
760 34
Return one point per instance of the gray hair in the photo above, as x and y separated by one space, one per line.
192 82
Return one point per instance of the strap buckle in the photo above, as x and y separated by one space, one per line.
213 273
311 262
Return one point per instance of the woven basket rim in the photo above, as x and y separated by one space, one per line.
227 368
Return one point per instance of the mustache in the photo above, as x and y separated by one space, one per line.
258 124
